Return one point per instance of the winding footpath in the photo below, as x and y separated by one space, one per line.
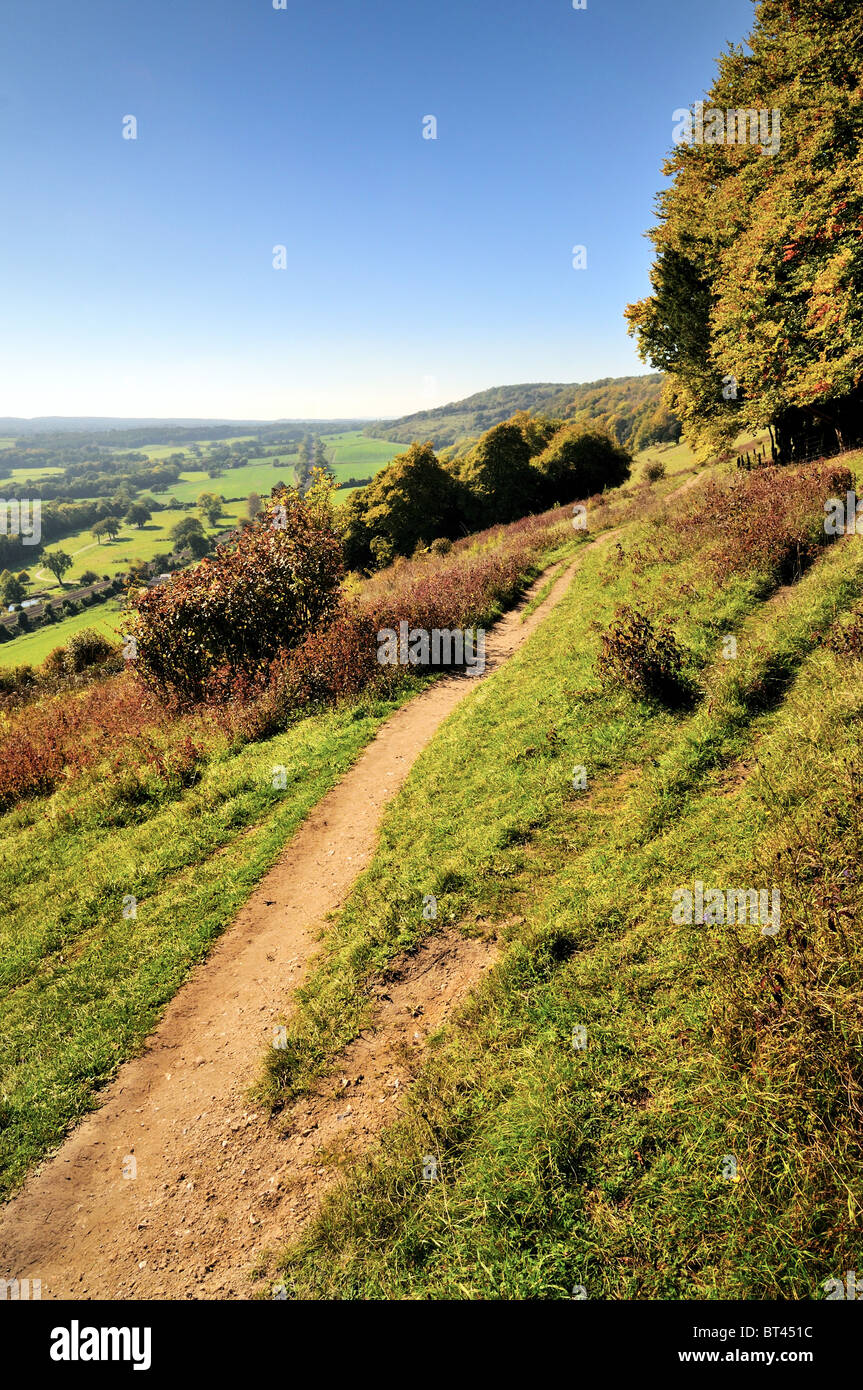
211 1186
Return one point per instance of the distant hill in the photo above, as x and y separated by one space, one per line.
121 432
625 404
50 424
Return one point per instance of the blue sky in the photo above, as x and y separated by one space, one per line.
137 275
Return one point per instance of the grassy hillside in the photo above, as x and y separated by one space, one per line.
700 1140
704 1142
108 793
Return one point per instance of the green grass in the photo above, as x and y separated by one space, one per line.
25 475
33 647
603 1168
80 985
358 455
676 458
354 456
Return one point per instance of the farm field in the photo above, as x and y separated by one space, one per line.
161 451
24 475
354 456
33 647
111 556
260 477
352 450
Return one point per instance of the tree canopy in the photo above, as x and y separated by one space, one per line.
756 310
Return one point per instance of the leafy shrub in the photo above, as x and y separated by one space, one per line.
644 658
654 470
579 460
16 679
239 609
55 662
409 503
88 648
43 743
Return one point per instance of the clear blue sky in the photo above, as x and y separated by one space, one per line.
137 276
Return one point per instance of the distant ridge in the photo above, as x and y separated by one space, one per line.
623 403
52 424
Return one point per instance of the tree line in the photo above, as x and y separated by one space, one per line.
522 465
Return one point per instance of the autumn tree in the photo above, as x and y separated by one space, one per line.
755 311
411 502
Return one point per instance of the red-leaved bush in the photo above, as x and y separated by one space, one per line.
769 521
143 729
67 733
256 597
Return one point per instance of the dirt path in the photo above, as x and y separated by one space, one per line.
215 1184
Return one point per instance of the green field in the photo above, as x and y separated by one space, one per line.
111 556
161 451
354 456
260 477
26 475
359 455
32 649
